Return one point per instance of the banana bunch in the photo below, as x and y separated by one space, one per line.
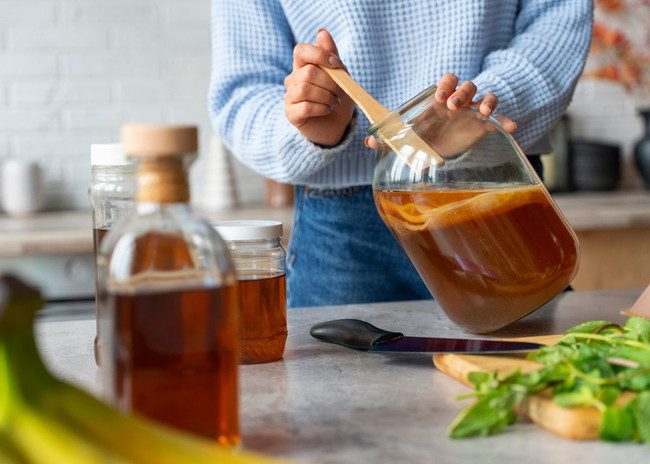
44 420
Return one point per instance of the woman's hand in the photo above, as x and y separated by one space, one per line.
456 97
313 102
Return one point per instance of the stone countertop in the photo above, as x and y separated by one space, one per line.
325 404
605 210
70 232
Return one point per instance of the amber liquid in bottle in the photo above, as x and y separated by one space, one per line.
175 349
263 316
501 252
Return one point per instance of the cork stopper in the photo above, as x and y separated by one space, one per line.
147 140
163 160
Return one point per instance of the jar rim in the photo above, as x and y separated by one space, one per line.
403 108
248 229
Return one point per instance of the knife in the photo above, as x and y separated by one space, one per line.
361 335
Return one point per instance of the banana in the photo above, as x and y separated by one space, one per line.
44 420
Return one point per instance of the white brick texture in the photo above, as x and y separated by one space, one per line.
73 71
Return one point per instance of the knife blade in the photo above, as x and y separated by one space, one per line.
361 335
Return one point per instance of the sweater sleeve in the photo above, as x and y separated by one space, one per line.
252 53
535 75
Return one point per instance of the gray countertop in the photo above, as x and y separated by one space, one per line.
326 404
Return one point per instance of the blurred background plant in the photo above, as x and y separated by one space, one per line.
620 48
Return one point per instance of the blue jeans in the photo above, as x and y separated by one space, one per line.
341 252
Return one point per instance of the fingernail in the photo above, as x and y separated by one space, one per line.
441 95
321 30
338 100
490 106
456 101
334 60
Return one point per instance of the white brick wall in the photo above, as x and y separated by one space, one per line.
73 71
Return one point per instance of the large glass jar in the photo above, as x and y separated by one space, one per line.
480 227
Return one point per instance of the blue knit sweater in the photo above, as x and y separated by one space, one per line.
530 53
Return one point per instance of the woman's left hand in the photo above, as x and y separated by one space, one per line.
456 97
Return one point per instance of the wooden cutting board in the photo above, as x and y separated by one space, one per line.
576 423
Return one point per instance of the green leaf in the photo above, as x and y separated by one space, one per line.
617 424
591 366
639 325
639 356
482 418
608 395
643 416
588 327
476 378
583 397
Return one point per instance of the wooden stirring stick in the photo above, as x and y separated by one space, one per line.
375 111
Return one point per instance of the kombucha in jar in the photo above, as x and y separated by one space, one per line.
471 213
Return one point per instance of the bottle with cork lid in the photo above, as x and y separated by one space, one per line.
171 300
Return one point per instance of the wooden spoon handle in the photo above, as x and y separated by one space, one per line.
371 107
375 111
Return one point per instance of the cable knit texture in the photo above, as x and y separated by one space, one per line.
530 53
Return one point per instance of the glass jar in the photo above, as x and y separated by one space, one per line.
111 193
170 294
260 263
480 227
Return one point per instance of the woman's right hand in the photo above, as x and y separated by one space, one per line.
313 102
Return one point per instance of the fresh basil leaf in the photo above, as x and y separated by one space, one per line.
635 355
608 395
476 378
481 418
639 325
617 424
583 397
588 327
643 416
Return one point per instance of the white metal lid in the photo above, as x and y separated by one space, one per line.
249 229
108 154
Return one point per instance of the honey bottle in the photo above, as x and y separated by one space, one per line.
171 298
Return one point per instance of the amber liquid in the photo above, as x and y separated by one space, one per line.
98 236
175 359
489 257
174 348
263 316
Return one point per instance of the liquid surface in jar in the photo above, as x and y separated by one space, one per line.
175 357
489 257
263 315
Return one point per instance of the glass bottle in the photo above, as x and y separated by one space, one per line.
260 263
171 297
111 193
480 228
